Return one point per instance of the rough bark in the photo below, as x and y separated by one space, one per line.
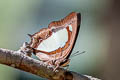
20 61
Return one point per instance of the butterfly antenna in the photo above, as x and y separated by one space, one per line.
76 53
29 35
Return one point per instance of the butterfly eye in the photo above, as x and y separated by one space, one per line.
53 30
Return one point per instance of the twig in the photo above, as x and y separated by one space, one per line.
20 61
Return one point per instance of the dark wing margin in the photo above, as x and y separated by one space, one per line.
78 29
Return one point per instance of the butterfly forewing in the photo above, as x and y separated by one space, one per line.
56 42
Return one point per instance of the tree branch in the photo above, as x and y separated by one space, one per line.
20 61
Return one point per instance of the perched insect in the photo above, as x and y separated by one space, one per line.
55 43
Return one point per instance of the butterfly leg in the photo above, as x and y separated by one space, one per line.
50 62
57 64
67 67
56 67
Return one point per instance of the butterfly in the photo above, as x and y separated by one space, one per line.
54 44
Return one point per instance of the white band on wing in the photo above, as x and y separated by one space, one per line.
55 41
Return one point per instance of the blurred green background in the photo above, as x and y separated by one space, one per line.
20 17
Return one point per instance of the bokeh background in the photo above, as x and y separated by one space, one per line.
98 36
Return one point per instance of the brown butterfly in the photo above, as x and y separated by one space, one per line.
55 43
